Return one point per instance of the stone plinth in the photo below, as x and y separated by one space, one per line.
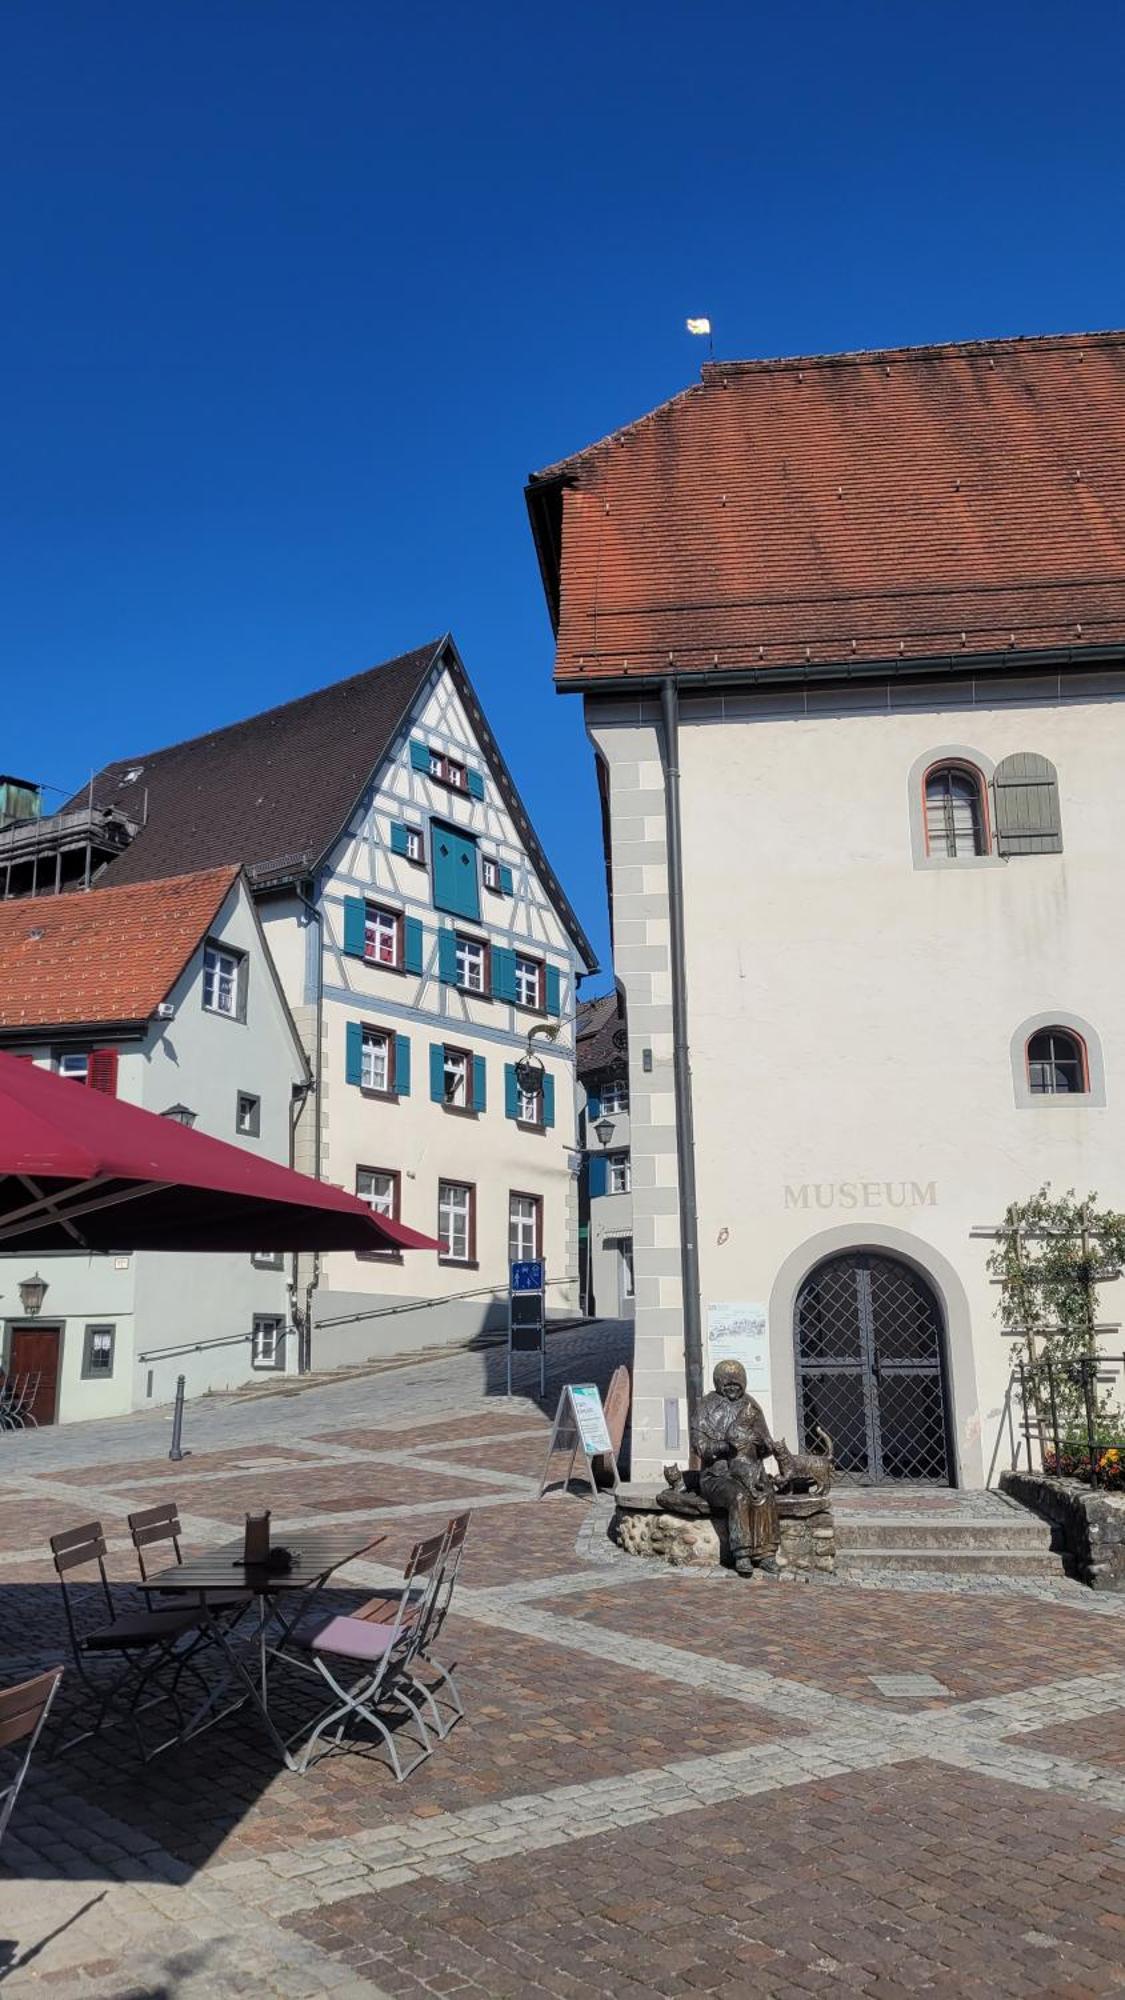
808 1532
1089 1523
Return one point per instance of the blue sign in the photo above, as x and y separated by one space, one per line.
527 1277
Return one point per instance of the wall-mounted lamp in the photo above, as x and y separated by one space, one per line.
181 1113
604 1130
32 1293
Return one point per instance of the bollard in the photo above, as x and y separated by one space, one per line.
178 1421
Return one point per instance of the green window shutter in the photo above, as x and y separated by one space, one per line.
548 1100
355 925
412 945
1026 790
599 1175
398 838
353 1065
447 957
480 1084
476 784
437 1072
553 1002
402 1065
511 1092
456 876
507 885
420 756
503 973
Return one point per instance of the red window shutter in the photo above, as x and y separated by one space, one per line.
101 1071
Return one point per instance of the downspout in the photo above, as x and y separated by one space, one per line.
681 1059
304 1350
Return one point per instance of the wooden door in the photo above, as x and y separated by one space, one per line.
36 1350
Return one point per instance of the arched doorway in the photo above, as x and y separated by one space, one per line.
871 1369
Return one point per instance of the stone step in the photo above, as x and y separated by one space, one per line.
914 1532
959 1561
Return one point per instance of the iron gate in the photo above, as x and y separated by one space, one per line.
869 1355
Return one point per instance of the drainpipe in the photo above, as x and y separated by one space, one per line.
304 1349
681 1059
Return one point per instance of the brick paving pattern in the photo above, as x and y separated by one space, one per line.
666 1784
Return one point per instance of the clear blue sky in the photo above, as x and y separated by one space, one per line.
295 296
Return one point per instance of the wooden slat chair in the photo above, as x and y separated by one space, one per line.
23 1711
378 1652
146 1641
152 1527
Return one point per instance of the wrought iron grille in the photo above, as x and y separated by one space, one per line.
869 1350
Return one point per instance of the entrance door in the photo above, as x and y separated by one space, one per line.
35 1350
871 1368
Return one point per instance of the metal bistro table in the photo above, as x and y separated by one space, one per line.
316 1557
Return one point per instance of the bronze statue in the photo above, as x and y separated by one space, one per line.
731 1440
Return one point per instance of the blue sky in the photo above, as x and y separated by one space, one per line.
295 296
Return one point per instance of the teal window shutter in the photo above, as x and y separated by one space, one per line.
548 1100
511 1092
398 838
593 1107
503 973
402 1065
412 945
353 1066
507 884
553 1003
447 957
599 1175
476 784
419 755
437 1072
456 874
355 925
480 1084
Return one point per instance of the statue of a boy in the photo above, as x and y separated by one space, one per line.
731 1439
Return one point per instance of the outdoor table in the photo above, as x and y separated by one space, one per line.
316 1557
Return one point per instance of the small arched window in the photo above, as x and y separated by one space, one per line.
955 812
1056 1064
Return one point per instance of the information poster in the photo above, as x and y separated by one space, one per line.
590 1418
738 1333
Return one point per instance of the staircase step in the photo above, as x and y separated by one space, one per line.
948 1561
902 1531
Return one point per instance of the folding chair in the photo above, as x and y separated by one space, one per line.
151 1526
383 1649
23 1711
145 1640
432 1623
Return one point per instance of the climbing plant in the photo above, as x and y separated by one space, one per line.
1051 1255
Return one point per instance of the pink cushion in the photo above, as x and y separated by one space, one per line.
354 1638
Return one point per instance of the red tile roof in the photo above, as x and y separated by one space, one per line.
939 501
105 956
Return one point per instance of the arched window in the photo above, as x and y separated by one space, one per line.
955 812
1056 1064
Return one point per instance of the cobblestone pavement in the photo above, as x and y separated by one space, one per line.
667 1783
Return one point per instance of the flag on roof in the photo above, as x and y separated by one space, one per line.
699 326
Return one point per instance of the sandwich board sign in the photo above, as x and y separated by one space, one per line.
580 1426
527 1315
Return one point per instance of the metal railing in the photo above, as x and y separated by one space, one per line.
1039 1426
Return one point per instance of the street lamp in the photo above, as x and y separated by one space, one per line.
32 1293
604 1130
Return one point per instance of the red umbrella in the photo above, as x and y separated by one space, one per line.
82 1171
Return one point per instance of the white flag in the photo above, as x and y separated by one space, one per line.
699 326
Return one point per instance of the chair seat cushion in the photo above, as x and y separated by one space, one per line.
141 1628
354 1639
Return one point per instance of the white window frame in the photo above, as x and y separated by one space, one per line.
457 1076
490 872
251 1128
620 1173
627 1276
455 1221
222 981
530 1106
375 1042
614 1098
73 1063
414 850
529 981
472 964
524 1247
267 1336
382 926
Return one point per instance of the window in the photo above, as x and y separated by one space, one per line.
382 932
472 965
375 1068
248 1115
456 1221
955 814
620 1175
379 1187
1056 1064
525 1233
529 984
530 1106
268 1260
267 1341
447 771
614 1098
414 849
97 1353
74 1063
456 1072
224 981
625 1256
490 873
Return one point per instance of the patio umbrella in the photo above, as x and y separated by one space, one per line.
83 1171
